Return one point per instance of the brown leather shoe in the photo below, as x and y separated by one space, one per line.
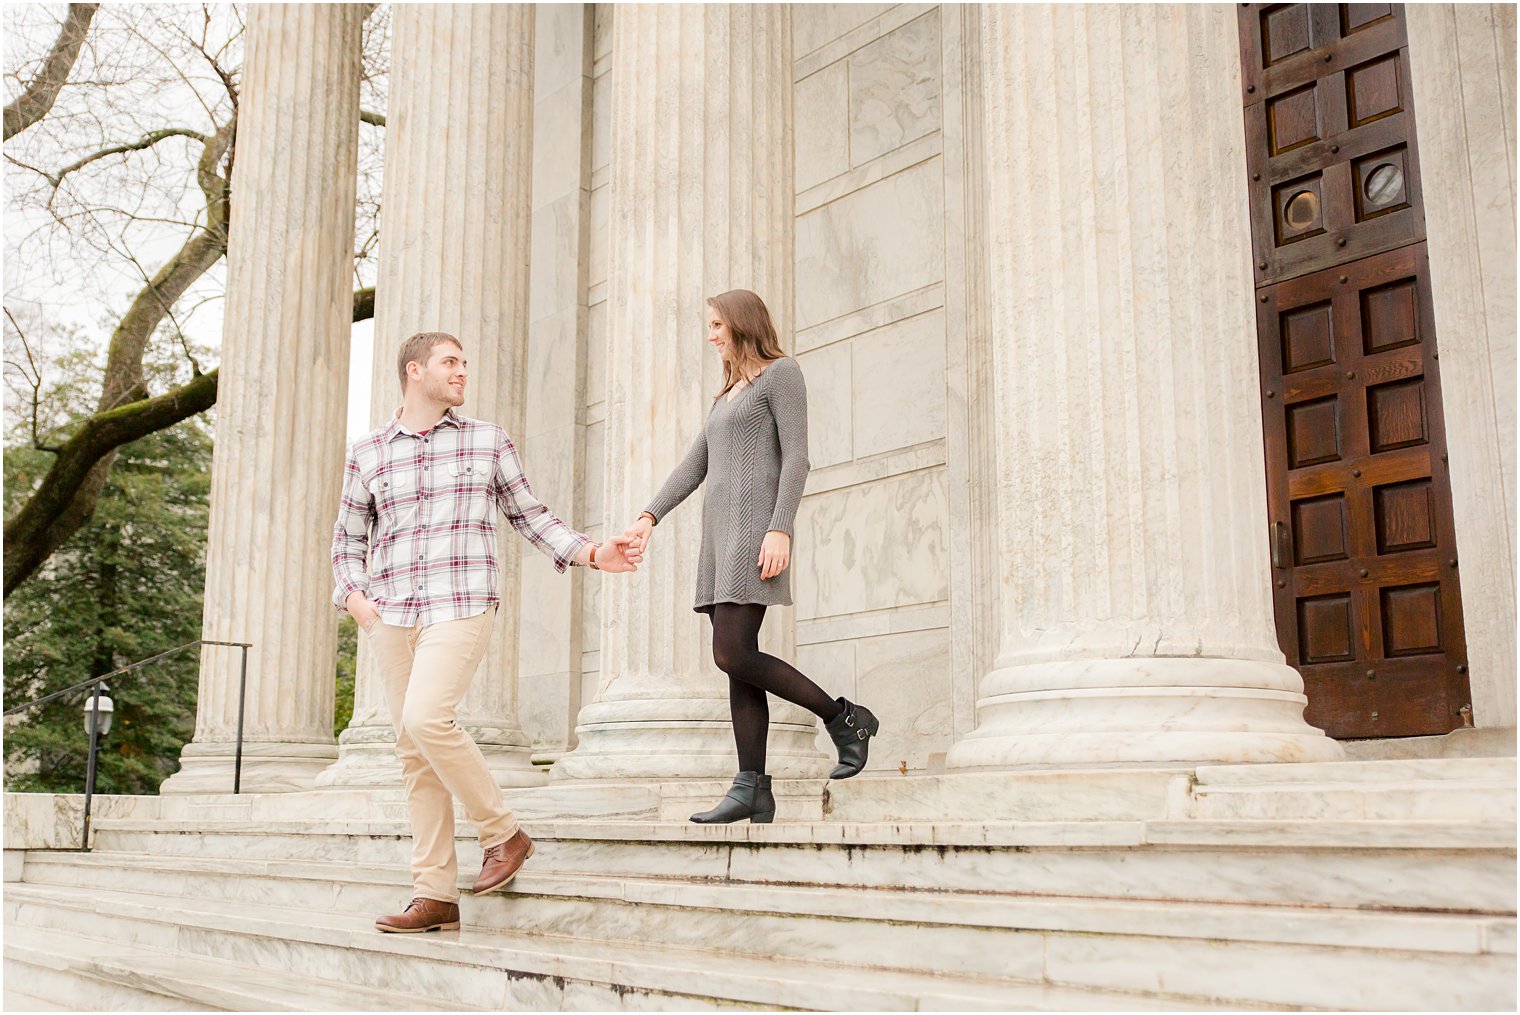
421 915
502 862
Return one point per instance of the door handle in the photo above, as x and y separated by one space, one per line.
1278 531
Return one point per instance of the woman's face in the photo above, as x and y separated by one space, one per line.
718 334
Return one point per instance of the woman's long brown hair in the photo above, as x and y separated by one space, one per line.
750 328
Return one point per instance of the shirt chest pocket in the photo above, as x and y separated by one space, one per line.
465 476
395 493
467 472
390 485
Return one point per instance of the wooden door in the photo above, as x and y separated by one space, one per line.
1364 566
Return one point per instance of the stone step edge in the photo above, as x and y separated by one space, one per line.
1011 911
502 949
200 979
1495 787
1444 833
1363 772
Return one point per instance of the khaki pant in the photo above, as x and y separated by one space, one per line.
427 670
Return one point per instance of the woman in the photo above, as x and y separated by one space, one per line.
752 452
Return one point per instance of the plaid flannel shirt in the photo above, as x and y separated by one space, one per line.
416 528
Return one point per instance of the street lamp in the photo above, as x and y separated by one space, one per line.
99 703
97 723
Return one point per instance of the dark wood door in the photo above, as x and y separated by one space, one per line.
1364 564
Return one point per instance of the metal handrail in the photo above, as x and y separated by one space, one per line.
94 683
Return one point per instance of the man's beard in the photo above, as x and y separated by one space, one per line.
447 394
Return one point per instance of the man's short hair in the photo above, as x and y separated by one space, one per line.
419 349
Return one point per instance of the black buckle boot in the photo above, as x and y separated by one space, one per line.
749 797
851 731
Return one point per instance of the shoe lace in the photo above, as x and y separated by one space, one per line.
492 852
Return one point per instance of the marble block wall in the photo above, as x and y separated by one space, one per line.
873 585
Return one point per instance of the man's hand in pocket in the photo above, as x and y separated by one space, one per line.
363 611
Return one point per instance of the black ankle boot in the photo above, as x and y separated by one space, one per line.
749 797
851 730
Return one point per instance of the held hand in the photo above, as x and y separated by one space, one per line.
775 554
639 532
362 610
618 554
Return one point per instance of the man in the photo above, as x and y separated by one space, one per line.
414 555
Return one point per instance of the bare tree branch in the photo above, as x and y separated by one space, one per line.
374 119
35 377
124 358
66 497
109 211
33 103
148 140
51 508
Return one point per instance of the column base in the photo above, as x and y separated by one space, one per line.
367 758
689 738
267 767
1147 711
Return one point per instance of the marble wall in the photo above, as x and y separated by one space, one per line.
873 556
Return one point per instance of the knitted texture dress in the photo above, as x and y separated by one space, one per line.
753 455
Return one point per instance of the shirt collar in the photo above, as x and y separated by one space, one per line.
395 429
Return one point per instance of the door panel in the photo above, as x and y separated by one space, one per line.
1363 552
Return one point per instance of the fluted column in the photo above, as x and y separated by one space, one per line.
1462 74
453 257
1136 617
282 405
701 202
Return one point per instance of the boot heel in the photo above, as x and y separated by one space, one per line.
762 819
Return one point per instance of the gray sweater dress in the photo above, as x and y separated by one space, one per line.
753 454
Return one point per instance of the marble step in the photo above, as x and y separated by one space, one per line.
1451 770
1068 941
1395 790
1415 800
517 971
799 800
109 972
1432 865
51 986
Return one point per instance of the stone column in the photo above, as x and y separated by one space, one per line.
282 405
701 202
1136 619
453 257
551 604
1462 65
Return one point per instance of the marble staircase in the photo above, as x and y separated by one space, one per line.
1360 885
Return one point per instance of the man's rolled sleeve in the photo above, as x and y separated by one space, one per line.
527 513
350 542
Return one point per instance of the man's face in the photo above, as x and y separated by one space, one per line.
443 377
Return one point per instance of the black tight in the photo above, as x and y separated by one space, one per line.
752 673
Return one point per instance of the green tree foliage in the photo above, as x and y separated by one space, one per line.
348 652
124 587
